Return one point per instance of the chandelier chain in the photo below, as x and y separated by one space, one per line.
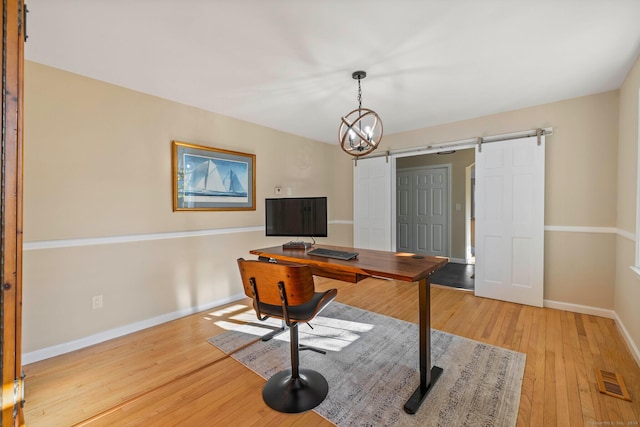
359 95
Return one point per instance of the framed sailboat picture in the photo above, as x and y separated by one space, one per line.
210 179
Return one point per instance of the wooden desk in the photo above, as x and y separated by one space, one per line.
392 265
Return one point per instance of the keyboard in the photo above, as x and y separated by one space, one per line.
330 253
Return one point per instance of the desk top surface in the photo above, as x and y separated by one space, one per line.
393 265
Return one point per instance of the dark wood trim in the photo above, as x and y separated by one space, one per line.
11 209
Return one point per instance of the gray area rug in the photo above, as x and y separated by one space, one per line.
371 366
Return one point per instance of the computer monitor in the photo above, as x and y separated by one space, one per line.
296 217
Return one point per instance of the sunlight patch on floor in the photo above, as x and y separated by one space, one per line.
325 333
228 310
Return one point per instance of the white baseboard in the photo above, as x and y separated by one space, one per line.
577 308
635 352
609 314
56 350
457 260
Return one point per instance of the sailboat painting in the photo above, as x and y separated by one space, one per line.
212 179
207 177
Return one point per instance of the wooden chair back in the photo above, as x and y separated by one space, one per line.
297 280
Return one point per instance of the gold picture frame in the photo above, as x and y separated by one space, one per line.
212 179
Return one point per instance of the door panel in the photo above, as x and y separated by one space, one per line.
372 204
510 221
403 212
493 257
437 238
437 217
422 238
437 202
422 211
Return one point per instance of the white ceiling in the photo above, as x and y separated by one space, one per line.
287 64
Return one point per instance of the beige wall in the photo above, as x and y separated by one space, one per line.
581 155
97 159
459 161
97 164
627 285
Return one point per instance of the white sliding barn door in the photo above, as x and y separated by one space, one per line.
372 204
510 221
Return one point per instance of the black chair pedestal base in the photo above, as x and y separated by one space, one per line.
284 393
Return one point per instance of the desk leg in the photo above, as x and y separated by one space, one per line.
428 375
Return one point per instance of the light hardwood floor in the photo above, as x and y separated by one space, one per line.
170 375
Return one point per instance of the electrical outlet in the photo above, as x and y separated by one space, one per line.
96 302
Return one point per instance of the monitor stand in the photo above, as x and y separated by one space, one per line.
297 245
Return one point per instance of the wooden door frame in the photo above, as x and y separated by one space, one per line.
13 25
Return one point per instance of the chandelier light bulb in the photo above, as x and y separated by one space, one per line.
368 132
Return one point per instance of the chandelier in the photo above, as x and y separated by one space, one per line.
360 131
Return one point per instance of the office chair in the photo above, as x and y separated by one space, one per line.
286 291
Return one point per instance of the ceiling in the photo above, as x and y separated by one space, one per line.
287 64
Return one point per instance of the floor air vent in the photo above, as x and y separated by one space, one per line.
611 383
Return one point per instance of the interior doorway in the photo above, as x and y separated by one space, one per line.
418 204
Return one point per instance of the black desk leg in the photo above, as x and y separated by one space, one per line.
428 375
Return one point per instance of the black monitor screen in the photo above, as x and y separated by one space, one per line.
296 217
